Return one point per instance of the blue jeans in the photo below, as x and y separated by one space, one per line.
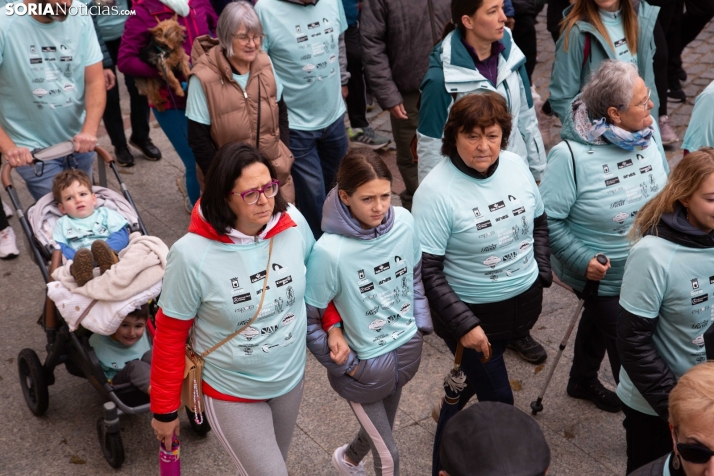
488 381
317 157
41 186
175 125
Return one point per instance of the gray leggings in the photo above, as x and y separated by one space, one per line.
136 372
256 435
377 422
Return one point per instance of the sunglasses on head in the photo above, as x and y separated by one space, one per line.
696 454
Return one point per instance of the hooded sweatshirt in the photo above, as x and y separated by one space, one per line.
373 277
669 278
453 75
219 283
592 196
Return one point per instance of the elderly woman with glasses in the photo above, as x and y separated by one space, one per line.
484 241
234 95
609 165
241 267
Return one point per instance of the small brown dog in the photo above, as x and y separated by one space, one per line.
165 52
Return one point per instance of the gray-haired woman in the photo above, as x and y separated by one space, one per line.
234 95
608 166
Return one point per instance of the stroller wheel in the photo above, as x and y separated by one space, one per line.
111 444
203 428
33 382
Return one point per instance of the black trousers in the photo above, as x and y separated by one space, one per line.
554 15
597 333
3 218
698 14
648 438
357 98
524 34
113 121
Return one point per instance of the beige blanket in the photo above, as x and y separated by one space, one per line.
141 265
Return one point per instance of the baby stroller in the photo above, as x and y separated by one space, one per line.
72 348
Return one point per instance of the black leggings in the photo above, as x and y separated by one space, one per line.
659 64
3 218
648 438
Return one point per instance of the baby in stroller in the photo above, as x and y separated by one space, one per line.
85 227
125 356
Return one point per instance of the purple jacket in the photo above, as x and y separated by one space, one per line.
201 21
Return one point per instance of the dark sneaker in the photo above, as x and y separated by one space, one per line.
546 109
366 136
124 157
104 255
150 151
82 267
529 350
681 74
676 95
603 398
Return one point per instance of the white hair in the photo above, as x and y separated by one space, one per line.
611 85
233 17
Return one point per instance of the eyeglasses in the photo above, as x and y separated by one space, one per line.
251 197
647 101
696 454
244 39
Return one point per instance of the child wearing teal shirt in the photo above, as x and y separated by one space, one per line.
665 324
368 263
125 356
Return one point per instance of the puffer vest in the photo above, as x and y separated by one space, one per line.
234 111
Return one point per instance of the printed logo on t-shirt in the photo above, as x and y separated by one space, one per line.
711 279
510 256
284 281
492 261
511 198
400 272
644 170
381 268
477 213
385 280
488 248
372 311
234 283
699 299
624 164
695 283
621 217
483 225
632 174
250 333
518 211
524 246
241 298
620 42
366 288
377 324
289 317
640 157
496 206
606 169
257 277
313 25
612 181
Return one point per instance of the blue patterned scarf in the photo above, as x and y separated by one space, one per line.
627 140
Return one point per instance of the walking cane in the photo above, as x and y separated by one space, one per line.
589 290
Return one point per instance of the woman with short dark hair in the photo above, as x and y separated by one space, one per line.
241 265
368 263
484 238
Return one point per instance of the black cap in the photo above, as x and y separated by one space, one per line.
493 439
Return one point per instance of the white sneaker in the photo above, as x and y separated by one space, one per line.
534 93
8 210
343 467
8 245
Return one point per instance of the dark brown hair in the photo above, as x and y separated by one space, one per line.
226 168
480 110
459 8
141 312
359 166
65 179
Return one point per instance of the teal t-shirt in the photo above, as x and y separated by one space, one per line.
612 185
80 233
111 27
483 227
615 30
42 77
113 355
197 106
303 43
700 131
675 284
371 283
220 284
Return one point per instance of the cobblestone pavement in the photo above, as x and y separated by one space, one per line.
583 440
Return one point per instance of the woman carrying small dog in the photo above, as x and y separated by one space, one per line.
234 95
193 18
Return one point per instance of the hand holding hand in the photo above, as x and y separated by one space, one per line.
339 350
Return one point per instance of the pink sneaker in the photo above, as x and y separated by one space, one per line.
666 131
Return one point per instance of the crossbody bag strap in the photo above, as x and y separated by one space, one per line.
257 312
257 127
572 159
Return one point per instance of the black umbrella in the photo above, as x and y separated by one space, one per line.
454 385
